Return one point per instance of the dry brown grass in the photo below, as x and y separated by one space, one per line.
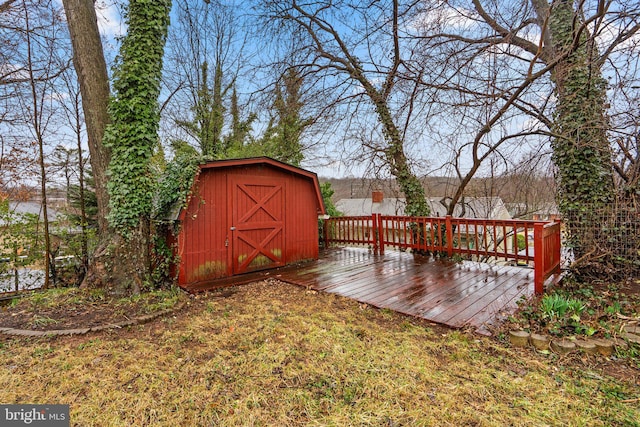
274 354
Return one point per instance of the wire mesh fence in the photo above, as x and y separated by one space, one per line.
604 241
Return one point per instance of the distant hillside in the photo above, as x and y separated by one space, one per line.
513 189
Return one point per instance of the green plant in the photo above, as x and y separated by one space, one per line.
89 344
174 186
162 259
613 309
563 312
556 305
42 351
38 299
575 306
327 193
41 321
162 300
97 294
584 329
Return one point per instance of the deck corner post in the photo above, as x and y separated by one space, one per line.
538 258
449 229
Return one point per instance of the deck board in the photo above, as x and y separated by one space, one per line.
469 306
463 294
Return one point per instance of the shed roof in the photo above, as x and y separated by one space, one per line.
254 161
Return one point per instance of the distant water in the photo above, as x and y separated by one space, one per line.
27 279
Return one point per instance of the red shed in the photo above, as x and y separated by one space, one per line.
246 215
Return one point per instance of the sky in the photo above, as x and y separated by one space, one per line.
329 159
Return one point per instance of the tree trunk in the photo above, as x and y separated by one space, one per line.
91 68
581 149
121 264
37 130
132 136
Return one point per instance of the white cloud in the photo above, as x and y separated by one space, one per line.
110 20
445 17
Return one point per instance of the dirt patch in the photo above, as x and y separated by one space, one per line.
72 308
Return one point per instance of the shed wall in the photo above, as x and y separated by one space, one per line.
205 237
201 242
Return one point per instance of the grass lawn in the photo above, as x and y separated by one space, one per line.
270 354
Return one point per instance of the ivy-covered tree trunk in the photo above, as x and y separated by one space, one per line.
398 162
288 107
581 150
132 137
208 114
217 111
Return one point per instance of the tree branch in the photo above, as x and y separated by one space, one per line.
391 74
6 5
508 35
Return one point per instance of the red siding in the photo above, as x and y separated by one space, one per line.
201 242
205 240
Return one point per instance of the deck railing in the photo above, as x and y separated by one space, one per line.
547 244
518 241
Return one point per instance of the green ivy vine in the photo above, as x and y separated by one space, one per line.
174 187
580 145
581 148
133 132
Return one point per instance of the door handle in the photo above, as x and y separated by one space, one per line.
232 228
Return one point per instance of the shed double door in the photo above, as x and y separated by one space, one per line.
257 224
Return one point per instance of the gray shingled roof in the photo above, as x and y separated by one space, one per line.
475 207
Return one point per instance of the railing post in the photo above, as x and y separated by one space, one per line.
538 258
558 238
381 234
325 231
374 233
449 230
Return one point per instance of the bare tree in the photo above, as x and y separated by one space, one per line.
566 49
204 60
41 30
357 51
73 113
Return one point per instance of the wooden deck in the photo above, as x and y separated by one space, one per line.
464 294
